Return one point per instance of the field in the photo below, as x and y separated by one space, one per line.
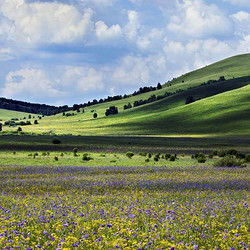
124 207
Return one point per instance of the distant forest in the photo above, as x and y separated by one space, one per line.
34 108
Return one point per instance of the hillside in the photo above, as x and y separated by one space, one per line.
6 115
221 108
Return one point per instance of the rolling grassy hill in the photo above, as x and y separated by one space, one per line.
6 115
222 108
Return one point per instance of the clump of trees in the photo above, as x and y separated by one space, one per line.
128 106
111 111
190 99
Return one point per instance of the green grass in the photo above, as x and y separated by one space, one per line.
6 115
98 159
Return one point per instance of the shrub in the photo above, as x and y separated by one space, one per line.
221 153
19 129
172 158
44 154
75 151
85 157
95 115
211 156
201 159
149 155
147 160
62 154
215 152
156 158
229 161
111 111
56 141
199 155
35 122
231 152
240 156
56 158
167 156
130 154
143 154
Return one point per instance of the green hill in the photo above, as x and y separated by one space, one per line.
221 108
6 115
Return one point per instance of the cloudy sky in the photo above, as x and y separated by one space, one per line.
72 51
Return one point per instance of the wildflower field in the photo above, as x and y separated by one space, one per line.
159 207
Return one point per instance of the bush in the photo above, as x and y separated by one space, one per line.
56 158
75 151
111 111
95 115
19 129
85 157
229 161
56 141
240 156
167 156
172 158
143 154
201 159
147 160
156 158
35 122
130 154
149 155
231 152
221 153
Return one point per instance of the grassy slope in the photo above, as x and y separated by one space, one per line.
9 114
170 116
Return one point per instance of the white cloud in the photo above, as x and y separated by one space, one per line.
103 32
48 22
133 25
29 82
242 23
196 19
85 79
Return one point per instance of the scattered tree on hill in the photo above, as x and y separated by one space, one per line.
111 111
19 129
159 86
222 79
35 122
1 126
190 99
128 106
95 115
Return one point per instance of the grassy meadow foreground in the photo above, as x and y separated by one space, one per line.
124 207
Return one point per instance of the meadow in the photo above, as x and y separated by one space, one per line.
167 207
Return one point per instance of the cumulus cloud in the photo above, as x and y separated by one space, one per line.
242 23
103 32
45 22
196 19
29 83
84 79
133 25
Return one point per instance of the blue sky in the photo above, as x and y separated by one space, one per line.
72 51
